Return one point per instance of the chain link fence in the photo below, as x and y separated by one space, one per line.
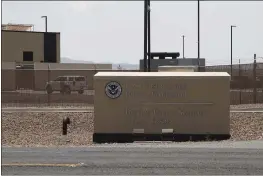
246 82
28 87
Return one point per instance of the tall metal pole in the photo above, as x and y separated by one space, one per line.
198 33
149 36
183 46
145 37
231 64
239 81
45 22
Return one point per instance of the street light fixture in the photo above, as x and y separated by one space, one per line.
45 22
231 66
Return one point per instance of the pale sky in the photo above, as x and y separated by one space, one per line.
112 31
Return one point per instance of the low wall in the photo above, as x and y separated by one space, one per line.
8 80
15 97
37 79
43 98
8 65
8 76
72 66
41 76
245 97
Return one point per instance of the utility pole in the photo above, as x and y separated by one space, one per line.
45 22
145 36
149 35
183 46
231 40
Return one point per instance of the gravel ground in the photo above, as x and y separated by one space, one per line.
52 105
45 129
247 106
246 126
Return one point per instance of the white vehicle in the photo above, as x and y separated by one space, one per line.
66 84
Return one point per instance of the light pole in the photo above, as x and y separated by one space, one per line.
145 36
149 35
183 46
231 69
198 33
45 22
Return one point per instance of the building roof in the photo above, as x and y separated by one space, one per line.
3 30
17 27
164 54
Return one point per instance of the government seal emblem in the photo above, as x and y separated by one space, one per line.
113 89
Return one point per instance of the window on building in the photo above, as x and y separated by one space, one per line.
27 56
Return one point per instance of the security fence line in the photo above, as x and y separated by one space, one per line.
29 86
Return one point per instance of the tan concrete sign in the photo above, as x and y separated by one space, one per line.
189 103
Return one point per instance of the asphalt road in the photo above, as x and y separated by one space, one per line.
152 159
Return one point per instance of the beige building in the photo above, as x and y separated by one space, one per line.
72 66
22 46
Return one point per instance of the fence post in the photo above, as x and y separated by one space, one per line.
255 79
95 71
65 123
